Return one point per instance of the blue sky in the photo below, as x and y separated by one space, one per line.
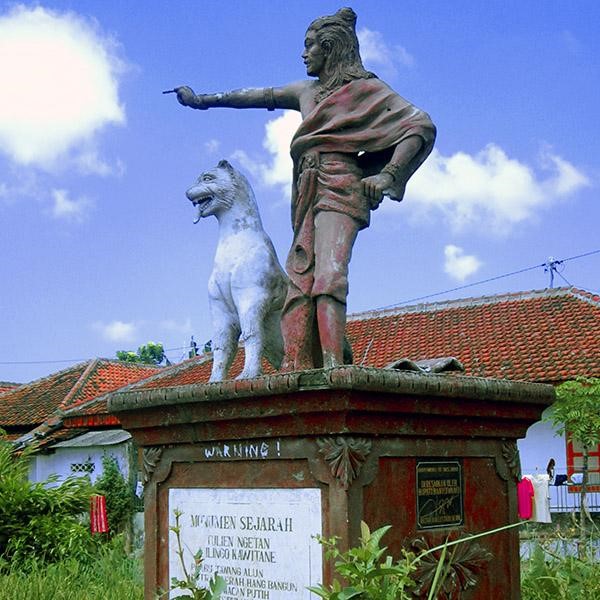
97 247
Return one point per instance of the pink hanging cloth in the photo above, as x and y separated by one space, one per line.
525 493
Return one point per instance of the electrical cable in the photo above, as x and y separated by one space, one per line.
469 285
66 360
417 299
460 287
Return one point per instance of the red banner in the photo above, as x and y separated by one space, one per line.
98 518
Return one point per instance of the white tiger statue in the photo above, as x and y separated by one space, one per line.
247 286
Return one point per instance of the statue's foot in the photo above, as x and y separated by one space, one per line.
291 363
249 374
331 360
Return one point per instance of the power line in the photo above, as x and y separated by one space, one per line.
581 255
469 285
417 299
460 287
42 362
66 360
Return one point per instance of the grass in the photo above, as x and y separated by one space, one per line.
558 567
552 577
545 575
112 575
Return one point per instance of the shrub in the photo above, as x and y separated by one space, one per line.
371 574
39 522
371 577
120 499
550 576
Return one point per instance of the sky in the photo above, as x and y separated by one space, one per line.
98 251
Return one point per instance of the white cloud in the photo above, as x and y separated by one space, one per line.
89 162
276 171
63 207
212 146
380 56
180 327
59 85
19 187
489 188
117 331
21 183
458 264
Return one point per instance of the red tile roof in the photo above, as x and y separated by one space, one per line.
10 437
31 404
5 386
543 336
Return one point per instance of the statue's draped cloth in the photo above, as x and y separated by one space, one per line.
349 135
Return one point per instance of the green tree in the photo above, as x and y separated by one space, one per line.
149 354
120 499
577 412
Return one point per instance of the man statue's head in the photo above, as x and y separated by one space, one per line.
336 35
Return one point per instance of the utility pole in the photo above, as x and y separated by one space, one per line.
193 348
552 267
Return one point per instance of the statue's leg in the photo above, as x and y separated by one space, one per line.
331 317
252 305
335 234
298 328
273 345
226 332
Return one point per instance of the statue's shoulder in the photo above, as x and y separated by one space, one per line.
307 95
295 95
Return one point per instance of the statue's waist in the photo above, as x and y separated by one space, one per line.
314 159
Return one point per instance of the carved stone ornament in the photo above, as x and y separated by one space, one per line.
345 456
462 567
509 466
150 459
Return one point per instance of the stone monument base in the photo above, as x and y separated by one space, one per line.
258 466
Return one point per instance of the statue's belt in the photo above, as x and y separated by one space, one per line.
312 159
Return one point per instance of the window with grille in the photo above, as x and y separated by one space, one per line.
83 467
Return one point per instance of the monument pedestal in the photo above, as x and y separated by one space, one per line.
257 466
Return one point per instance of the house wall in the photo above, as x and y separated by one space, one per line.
540 445
60 461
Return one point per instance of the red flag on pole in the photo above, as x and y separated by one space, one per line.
98 519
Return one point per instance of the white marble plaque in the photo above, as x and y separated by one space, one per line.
259 540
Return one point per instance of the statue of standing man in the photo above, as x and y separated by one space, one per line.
357 142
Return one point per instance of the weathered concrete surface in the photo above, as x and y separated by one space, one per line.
358 434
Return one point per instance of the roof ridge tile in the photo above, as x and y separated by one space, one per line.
88 403
175 369
133 365
20 388
592 298
80 383
426 307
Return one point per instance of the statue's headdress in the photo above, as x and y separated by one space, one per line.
337 36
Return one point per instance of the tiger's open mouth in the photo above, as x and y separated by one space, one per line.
201 202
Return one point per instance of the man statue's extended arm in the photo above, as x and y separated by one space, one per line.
286 97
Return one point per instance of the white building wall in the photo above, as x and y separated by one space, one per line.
60 460
540 445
